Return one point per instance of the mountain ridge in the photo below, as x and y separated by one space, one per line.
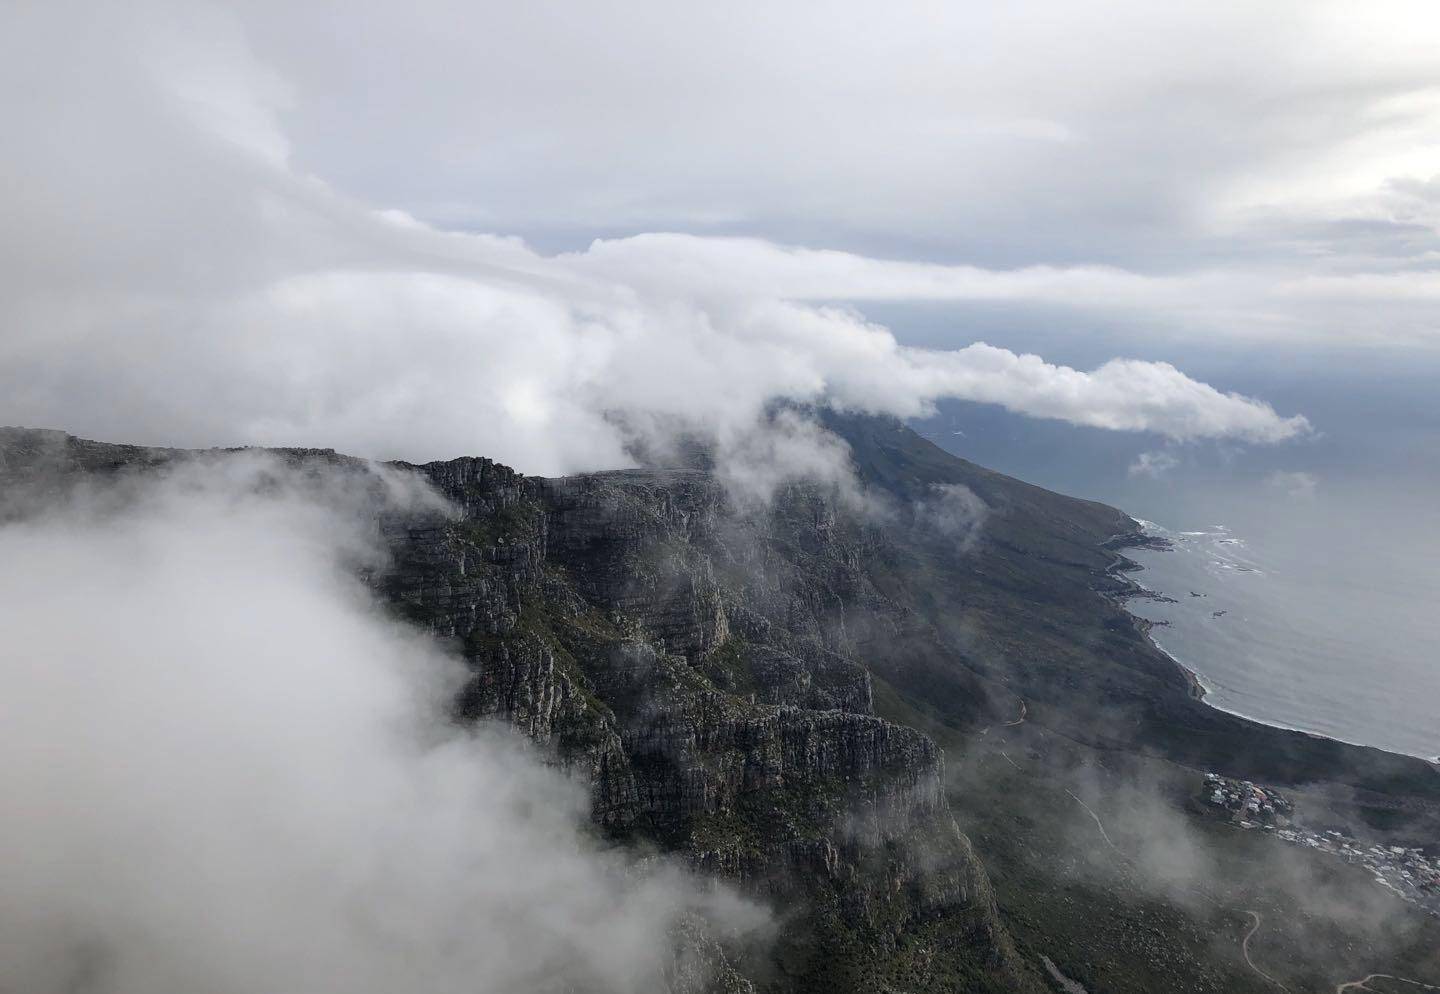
741 686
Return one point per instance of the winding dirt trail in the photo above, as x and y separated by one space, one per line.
1256 919
1098 823
1245 950
1360 985
1009 724
1254 915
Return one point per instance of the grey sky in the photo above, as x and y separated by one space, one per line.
1155 136
264 223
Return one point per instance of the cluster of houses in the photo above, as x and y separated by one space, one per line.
1408 872
1250 804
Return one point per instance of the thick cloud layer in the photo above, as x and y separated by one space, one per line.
172 276
1157 136
224 771
1273 168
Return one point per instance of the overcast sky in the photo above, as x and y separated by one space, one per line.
1277 141
429 228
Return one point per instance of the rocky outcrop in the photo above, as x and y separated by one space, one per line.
708 670
713 673
700 666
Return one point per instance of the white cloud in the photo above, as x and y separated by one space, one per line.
174 279
1153 464
1295 485
235 775
1038 125
954 513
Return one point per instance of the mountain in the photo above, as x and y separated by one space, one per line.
812 698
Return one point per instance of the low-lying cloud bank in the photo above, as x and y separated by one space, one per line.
225 770
172 277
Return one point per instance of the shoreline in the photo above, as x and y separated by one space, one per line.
1130 589
1198 690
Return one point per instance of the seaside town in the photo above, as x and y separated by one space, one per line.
1409 873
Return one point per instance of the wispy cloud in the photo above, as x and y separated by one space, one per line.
1153 464
1296 485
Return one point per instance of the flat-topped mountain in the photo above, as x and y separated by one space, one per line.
800 696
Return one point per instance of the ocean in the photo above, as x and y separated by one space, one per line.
1318 560
1319 612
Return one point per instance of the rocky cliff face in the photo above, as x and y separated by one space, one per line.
701 666
713 671
708 669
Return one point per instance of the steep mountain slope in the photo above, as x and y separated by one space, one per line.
696 666
713 669
1034 604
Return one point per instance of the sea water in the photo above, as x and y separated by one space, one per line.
1315 612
